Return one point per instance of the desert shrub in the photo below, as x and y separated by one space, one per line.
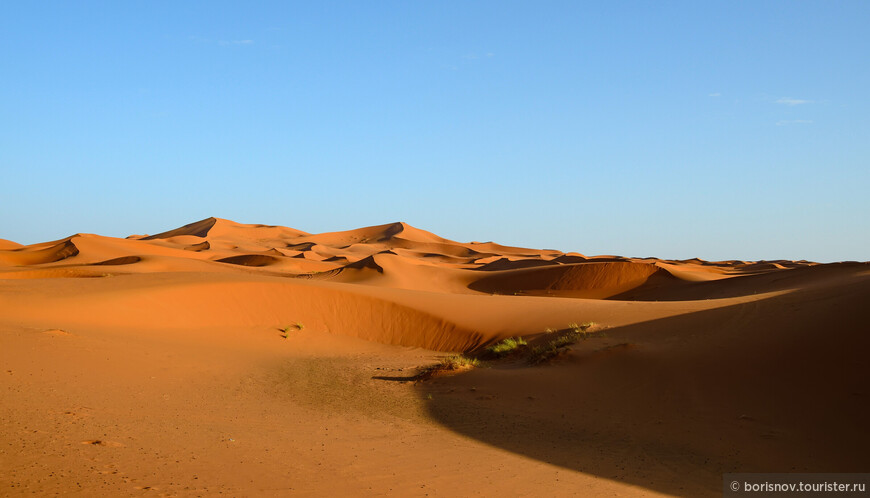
555 347
542 353
458 362
507 346
454 362
583 327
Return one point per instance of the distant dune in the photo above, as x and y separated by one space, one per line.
221 357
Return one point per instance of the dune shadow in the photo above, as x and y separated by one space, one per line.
397 378
250 260
782 279
123 260
773 385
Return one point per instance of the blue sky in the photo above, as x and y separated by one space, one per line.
722 130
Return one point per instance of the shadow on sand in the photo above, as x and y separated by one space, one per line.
775 385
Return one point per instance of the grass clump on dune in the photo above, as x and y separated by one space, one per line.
542 353
514 347
507 346
576 332
458 362
285 332
450 363
581 328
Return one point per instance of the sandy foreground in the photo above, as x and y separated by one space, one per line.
252 360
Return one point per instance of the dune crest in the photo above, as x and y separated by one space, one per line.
6 245
390 256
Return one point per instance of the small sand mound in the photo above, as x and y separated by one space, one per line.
202 246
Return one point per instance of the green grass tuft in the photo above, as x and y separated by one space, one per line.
454 362
285 332
507 346
458 362
583 327
576 332
515 347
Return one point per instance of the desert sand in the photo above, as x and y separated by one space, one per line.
248 360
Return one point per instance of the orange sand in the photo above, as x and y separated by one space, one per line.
157 365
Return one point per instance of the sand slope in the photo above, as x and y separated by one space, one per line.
154 363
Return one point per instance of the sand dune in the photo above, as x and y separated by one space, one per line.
588 280
6 245
224 229
39 254
156 362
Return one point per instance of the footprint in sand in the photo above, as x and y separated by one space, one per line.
57 333
103 442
